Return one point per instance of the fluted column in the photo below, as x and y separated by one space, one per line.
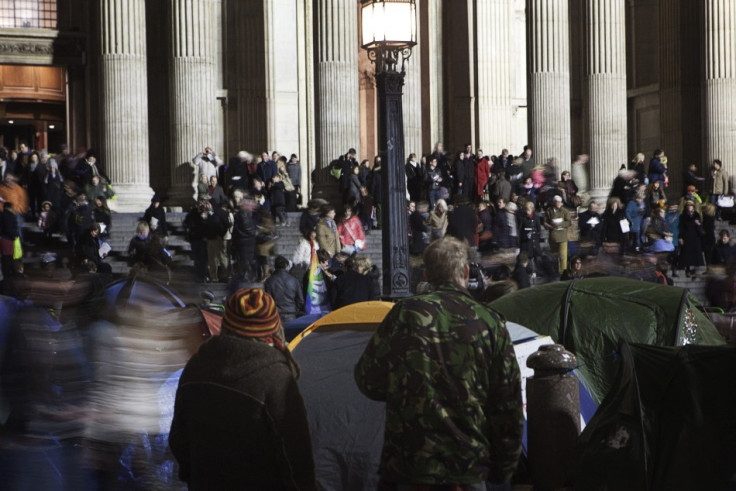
124 101
720 82
193 98
548 41
606 83
494 78
413 99
431 49
670 87
338 120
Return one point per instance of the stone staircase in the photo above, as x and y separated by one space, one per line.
123 228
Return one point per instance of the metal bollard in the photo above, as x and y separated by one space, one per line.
553 416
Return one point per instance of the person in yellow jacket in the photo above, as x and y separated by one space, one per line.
557 221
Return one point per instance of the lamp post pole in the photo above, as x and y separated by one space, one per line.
395 237
389 34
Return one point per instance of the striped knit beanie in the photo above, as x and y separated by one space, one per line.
251 312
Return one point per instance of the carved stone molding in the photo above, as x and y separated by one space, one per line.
54 48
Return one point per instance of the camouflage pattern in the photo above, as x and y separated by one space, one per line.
445 366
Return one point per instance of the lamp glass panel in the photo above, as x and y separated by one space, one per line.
389 22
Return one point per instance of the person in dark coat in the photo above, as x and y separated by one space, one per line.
352 193
236 171
146 248
611 231
194 226
724 252
353 286
277 198
530 230
462 222
691 230
418 223
375 188
268 168
310 217
155 216
53 185
501 227
523 271
216 193
486 217
415 177
465 172
244 237
81 219
657 170
239 419
286 290
87 251
623 185
590 223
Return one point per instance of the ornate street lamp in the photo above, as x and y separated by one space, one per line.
389 34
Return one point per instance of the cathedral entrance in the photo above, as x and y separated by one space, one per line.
33 107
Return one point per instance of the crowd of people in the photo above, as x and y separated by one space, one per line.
497 203
458 210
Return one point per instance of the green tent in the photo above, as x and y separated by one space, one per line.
667 423
591 316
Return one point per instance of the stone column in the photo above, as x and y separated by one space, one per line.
338 120
670 86
124 102
492 22
193 99
305 62
606 84
413 99
548 41
431 52
720 82
282 76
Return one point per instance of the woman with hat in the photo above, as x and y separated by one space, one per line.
239 419
691 194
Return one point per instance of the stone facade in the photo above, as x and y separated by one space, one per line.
608 78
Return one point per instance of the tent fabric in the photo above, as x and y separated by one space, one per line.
346 426
369 313
667 423
590 316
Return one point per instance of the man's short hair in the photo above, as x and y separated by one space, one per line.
281 262
445 260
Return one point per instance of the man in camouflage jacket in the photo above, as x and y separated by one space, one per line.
445 366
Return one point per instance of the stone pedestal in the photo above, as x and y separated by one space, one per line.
606 88
338 120
548 59
553 414
720 82
193 103
124 104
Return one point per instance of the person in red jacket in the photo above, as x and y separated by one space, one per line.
482 171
